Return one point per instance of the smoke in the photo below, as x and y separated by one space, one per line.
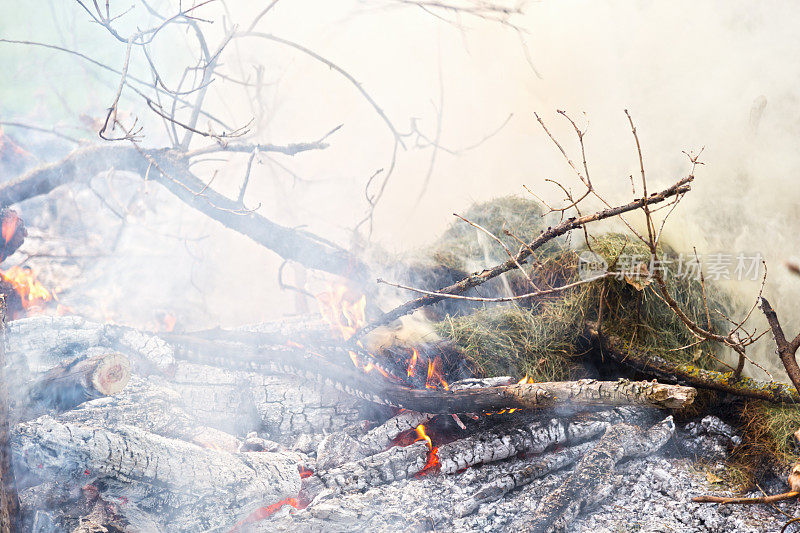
715 75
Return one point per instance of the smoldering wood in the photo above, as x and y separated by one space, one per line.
507 440
191 482
382 436
594 474
70 384
539 467
384 467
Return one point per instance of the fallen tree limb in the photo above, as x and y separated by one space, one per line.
549 234
621 352
170 168
316 366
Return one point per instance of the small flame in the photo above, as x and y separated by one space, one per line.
343 310
435 375
525 380
304 472
412 363
421 435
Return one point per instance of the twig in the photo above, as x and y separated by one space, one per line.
759 499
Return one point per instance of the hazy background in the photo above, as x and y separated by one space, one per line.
720 75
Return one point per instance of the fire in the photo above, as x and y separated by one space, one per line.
412 363
433 455
435 375
343 310
421 435
525 380
304 472
432 466
30 290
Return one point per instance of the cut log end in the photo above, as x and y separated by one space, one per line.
111 374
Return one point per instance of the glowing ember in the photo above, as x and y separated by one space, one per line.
304 472
10 223
432 466
265 512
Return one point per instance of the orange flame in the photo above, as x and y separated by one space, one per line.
412 363
525 380
30 290
435 375
343 310
421 435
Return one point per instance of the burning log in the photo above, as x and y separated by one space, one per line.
593 475
68 385
318 366
207 488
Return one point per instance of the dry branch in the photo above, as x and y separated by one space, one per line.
316 366
741 500
87 162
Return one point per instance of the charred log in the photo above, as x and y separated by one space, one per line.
187 484
538 467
